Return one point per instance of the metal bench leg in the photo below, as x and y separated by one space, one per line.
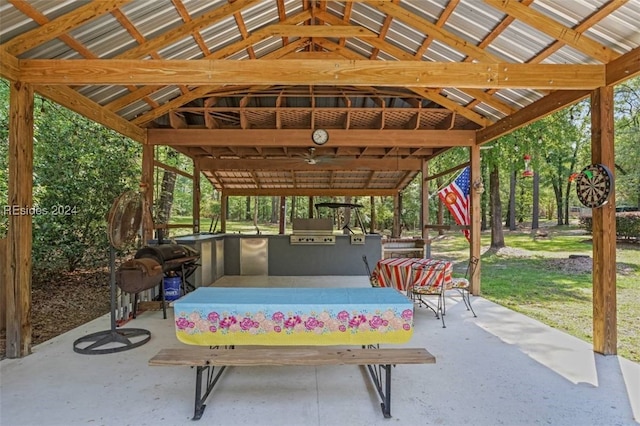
212 379
385 394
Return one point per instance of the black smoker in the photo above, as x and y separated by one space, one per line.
151 264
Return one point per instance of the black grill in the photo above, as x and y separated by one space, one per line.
174 258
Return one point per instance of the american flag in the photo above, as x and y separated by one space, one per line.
456 197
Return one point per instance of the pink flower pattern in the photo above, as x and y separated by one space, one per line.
323 322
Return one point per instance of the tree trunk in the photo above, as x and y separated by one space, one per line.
283 215
247 208
497 234
536 201
511 222
558 193
274 209
292 212
256 208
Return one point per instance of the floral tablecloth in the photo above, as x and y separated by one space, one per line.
211 316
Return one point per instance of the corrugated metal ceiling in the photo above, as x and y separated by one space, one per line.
442 31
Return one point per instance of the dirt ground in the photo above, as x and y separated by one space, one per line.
64 301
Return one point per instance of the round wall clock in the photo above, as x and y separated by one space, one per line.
320 136
594 185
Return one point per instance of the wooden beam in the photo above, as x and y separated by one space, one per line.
172 169
448 171
72 100
224 206
196 197
187 29
330 73
424 200
308 192
9 66
287 164
61 25
146 188
330 31
302 137
307 56
435 96
535 111
19 236
554 29
623 68
403 55
432 30
4 284
218 54
475 218
604 228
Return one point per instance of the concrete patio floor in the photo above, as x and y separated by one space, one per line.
498 368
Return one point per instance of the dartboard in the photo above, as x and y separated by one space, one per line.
594 185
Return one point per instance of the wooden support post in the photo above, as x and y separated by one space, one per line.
424 201
196 198
3 283
311 207
475 217
146 187
224 203
604 228
19 236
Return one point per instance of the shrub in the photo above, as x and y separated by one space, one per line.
627 225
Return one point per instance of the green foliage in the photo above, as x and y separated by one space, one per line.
4 147
627 225
80 167
627 107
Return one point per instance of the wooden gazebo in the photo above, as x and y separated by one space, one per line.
239 86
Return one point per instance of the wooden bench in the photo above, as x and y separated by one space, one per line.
378 361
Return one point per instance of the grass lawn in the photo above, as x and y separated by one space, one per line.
537 278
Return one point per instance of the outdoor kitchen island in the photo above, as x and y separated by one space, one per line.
280 255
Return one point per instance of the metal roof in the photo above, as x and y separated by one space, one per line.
442 32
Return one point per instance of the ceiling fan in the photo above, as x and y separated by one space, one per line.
311 157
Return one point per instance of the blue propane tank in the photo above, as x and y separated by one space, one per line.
172 287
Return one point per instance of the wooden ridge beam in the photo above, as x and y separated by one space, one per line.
298 164
310 192
302 137
327 73
331 31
